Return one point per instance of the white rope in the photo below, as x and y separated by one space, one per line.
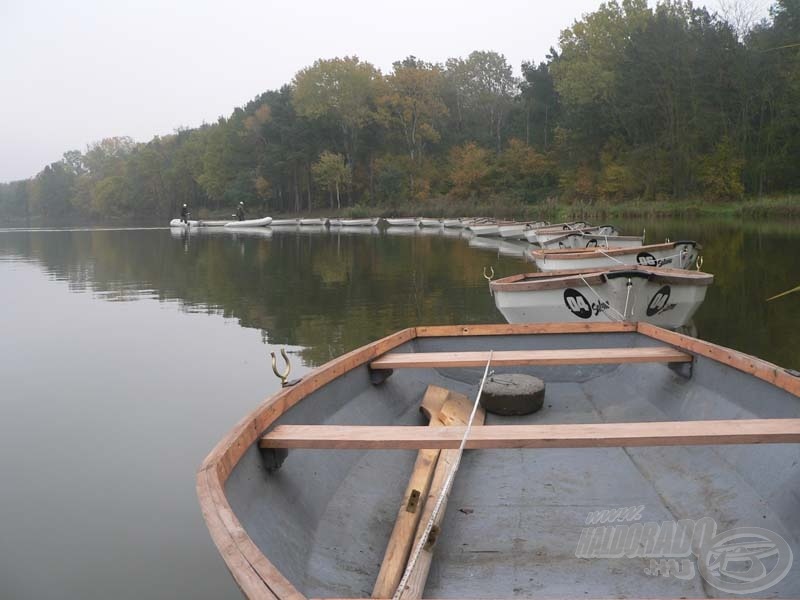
628 285
601 299
445 489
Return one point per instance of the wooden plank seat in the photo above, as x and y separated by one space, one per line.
508 358
585 435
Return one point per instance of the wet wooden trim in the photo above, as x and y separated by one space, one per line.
578 253
522 329
583 435
777 376
551 280
508 358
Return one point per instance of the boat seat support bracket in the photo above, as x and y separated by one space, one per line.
273 458
378 376
684 369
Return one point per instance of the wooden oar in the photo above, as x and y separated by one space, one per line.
399 546
455 411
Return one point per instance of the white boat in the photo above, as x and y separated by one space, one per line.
665 297
285 222
403 222
195 223
334 222
545 235
425 222
317 222
681 255
263 222
501 247
517 230
360 222
531 234
583 240
454 223
487 226
178 223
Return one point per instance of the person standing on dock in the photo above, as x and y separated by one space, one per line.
240 211
185 214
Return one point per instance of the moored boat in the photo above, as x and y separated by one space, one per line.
285 222
301 505
531 233
263 222
545 235
454 223
426 222
665 297
517 230
403 222
681 255
584 240
360 222
313 222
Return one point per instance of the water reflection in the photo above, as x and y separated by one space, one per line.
332 290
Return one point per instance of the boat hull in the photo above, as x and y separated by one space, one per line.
359 222
681 255
532 233
403 222
314 523
263 222
545 236
668 298
581 240
517 230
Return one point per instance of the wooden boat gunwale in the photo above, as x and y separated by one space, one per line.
252 571
549 280
577 253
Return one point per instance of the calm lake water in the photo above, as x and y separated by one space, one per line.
125 355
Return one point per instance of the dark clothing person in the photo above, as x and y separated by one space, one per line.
240 212
185 214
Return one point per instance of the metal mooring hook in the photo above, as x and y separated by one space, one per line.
699 262
488 277
285 375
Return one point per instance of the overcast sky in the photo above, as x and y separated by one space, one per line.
75 72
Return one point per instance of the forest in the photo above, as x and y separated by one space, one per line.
633 102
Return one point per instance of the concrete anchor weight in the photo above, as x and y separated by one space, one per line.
513 394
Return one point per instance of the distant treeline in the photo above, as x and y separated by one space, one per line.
636 102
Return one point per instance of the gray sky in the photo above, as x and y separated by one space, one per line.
74 72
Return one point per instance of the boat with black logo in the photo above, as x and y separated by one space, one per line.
587 240
665 297
677 255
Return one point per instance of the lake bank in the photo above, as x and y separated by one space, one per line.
499 207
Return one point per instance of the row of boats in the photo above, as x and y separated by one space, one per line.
592 273
585 272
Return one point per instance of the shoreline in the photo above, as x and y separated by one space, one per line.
496 207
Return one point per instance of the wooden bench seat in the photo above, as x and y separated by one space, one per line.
586 435
508 358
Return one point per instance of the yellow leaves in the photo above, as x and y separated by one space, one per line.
469 166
